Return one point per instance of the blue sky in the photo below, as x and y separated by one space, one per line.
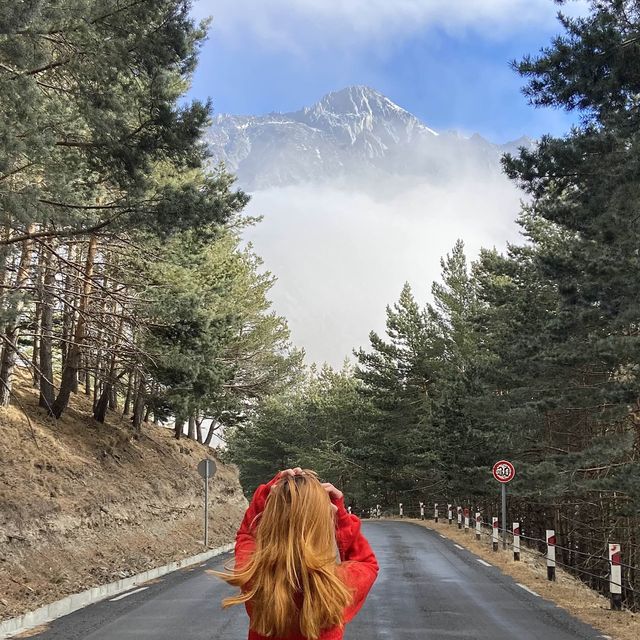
446 62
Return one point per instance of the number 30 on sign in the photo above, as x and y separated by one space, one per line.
504 471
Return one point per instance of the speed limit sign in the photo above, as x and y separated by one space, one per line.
504 471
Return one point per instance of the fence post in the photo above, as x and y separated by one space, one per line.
615 576
466 520
478 525
459 509
401 511
551 554
516 541
494 533
449 514
435 512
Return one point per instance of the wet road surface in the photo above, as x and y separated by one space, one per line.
427 589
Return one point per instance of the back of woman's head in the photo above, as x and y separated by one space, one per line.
292 580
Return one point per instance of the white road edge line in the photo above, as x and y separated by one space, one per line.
457 546
531 591
486 564
443 537
129 593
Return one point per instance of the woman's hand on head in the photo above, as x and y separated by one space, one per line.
334 494
286 473
296 471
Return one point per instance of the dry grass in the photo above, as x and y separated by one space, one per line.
83 503
567 592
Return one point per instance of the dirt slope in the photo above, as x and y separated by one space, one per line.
83 503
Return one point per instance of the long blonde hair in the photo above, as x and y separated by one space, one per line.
292 581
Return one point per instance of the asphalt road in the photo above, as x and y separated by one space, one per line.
427 589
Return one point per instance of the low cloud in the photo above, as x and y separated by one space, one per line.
295 25
341 256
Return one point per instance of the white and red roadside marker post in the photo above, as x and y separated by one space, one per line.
422 511
349 508
551 554
459 517
435 512
378 511
615 576
466 520
516 541
449 514
494 533
478 525
401 510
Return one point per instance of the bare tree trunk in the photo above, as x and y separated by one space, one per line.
70 371
113 399
138 406
69 288
100 411
37 322
5 257
178 427
211 432
47 392
87 375
12 330
127 399
199 430
192 427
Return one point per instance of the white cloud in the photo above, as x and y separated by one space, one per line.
341 257
298 24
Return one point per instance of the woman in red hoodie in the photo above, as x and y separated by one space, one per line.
286 567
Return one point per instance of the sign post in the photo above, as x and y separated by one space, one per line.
503 471
207 469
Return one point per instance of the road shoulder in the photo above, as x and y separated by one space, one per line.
530 575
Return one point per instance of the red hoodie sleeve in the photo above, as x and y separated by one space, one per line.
359 562
245 541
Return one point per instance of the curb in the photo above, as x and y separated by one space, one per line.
59 608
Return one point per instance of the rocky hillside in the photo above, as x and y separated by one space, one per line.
83 503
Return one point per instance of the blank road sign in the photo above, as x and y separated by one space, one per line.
207 468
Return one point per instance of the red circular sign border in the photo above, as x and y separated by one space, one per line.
513 470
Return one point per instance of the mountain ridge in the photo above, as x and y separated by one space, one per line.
351 137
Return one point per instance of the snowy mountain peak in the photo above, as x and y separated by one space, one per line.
356 100
356 110
352 136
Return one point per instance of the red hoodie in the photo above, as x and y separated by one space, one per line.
360 570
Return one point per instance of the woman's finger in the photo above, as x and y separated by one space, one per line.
297 471
334 493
